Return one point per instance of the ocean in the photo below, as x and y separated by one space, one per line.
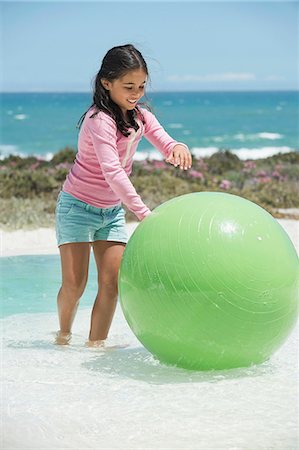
251 124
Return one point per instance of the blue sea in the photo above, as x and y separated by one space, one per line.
252 124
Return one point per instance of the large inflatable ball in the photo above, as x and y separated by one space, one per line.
210 281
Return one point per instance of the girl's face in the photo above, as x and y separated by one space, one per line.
127 90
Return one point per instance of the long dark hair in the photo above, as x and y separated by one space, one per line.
117 62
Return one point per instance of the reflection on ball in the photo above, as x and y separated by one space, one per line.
210 281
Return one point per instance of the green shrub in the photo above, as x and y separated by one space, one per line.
26 184
224 161
65 155
291 158
32 185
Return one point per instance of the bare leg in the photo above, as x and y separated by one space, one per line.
74 266
108 257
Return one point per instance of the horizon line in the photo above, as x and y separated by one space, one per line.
158 91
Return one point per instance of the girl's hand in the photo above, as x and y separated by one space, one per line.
180 156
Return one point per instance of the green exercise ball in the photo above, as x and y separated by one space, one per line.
209 280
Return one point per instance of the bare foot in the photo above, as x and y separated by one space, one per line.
102 344
62 338
99 343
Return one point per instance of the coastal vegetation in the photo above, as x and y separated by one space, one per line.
29 186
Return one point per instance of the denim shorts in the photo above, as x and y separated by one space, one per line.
77 221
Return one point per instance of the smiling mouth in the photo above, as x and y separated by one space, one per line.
132 101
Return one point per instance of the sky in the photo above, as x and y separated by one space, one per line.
58 46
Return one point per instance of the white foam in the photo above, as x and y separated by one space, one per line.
201 152
272 136
255 136
21 116
175 125
242 153
248 137
151 154
48 156
240 137
10 149
218 138
259 153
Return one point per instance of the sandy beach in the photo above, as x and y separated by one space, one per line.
42 241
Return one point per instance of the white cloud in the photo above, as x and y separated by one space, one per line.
274 78
229 76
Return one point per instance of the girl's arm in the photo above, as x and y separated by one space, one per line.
103 135
176 153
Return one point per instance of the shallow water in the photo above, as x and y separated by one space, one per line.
75 397
30 283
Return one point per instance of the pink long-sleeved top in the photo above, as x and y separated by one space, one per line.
100 173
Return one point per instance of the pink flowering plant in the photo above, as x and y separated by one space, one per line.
35 182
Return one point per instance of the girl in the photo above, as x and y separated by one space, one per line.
89 210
